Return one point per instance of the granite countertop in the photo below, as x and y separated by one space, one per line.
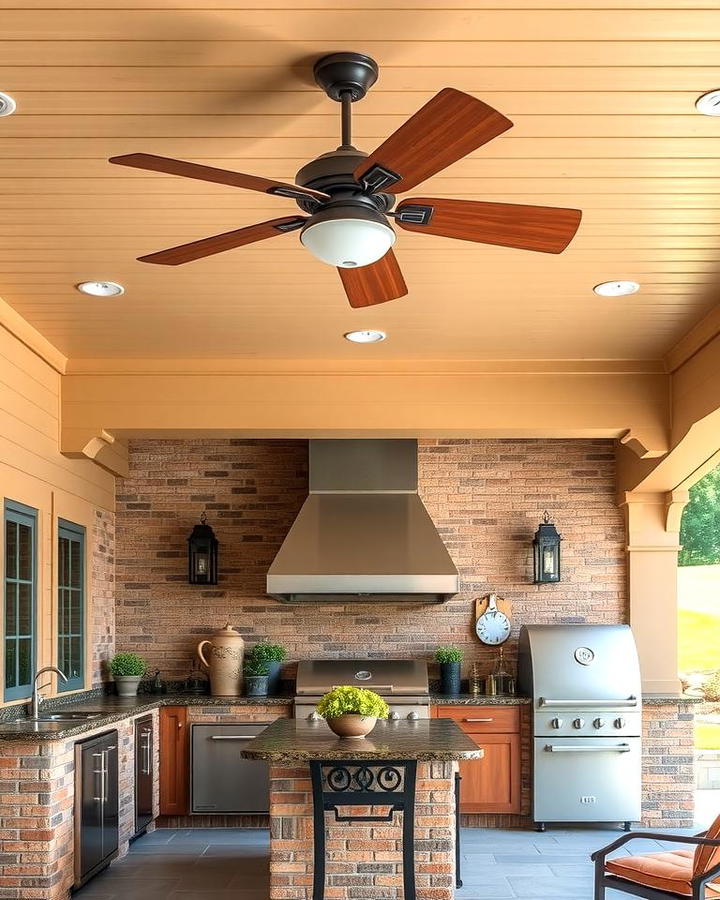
478 700
114 709
293 740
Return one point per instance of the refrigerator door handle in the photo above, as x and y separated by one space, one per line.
97 792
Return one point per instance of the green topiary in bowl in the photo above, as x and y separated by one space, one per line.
127 664
352 711
127 669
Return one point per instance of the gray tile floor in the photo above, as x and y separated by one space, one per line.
231 864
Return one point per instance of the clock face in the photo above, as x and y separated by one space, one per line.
493 628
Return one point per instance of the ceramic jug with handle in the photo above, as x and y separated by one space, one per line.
224 661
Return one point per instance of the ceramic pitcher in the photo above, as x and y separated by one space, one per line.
225 662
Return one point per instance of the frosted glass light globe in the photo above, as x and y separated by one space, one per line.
348 243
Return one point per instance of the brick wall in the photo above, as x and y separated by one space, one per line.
668 765
363 858
485 496
102 627
38 795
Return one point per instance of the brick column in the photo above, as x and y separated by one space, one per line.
363 859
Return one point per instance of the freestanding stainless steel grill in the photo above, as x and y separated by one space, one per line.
402 682
584 681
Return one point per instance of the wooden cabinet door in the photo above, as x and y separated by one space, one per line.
174 761
492 784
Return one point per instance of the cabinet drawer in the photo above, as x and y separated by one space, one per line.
483 719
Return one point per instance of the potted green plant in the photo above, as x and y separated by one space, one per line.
449 659
351 711
274 655
127 669
256 677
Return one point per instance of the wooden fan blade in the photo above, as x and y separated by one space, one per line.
547 229
175 256
164 164
373 284
448 127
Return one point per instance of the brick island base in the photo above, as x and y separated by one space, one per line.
362 859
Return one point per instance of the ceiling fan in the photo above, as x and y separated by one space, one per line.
349 195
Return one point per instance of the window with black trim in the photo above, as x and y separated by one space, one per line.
71 605
19 624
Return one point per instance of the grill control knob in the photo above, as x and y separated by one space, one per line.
413 715
556 723
394 715
599 723
578 723
619 723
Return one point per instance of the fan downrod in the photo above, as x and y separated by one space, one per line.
345 73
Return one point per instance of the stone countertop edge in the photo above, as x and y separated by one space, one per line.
478 700
426 740
115 709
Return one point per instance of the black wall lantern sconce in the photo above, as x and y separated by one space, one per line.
546 552
202 554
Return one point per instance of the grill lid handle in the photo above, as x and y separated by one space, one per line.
581 748
630 702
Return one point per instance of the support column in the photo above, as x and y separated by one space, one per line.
653 533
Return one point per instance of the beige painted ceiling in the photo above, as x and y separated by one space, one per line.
601 93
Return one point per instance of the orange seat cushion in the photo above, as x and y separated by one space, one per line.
707 857
668 871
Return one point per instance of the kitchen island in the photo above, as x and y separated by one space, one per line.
371 813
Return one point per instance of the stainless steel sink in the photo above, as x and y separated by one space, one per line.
66 717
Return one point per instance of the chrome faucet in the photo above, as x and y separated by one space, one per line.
36 699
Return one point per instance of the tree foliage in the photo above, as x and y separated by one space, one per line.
700 528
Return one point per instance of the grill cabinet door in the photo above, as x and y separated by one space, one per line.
587 780
222 781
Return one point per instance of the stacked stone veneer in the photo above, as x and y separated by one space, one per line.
668 765
102 606
363 859
485 496
38 795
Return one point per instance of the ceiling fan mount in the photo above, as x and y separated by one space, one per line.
348 194
349 73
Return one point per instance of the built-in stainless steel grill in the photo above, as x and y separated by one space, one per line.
402 682
584 681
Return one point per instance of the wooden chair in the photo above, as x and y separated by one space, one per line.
666 875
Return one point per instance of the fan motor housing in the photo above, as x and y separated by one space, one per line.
333 173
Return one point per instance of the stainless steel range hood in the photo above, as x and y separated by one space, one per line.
363 532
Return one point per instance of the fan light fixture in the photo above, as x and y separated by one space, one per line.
616 288
365 337
7 104
709 104
101 288
347 236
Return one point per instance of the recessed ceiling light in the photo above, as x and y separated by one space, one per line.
709 104
7 104
616 288
365 337
101 288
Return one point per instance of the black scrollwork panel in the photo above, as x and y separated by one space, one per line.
383 779
344 784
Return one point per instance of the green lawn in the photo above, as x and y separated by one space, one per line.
707 737
699 640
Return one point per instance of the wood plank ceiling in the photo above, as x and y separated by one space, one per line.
601 93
